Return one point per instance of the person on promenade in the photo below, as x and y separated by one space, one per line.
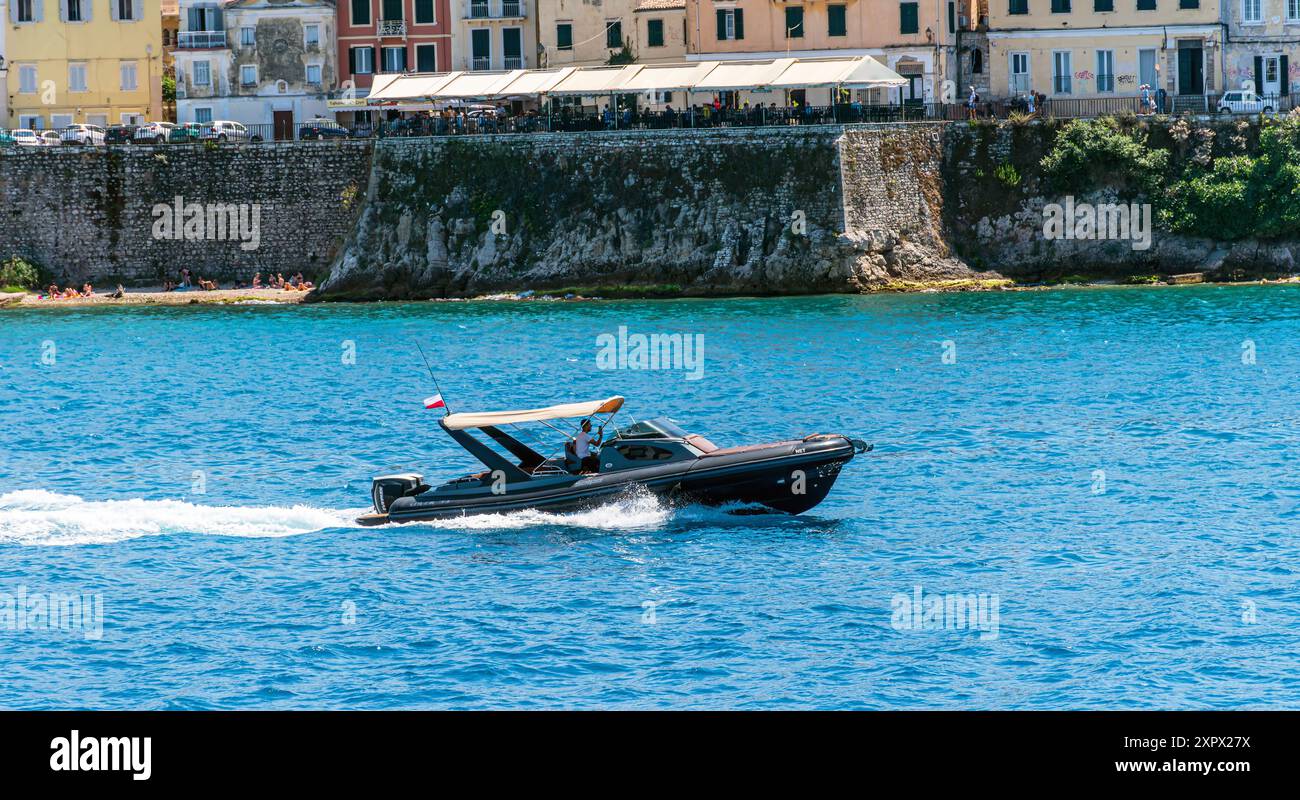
972 100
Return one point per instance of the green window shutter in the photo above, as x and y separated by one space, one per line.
655 32
1103 5
424 12
908 22
794 22
1018 7
1146 5
564 36
835 21
740 23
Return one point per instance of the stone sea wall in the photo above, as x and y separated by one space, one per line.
88 214
753 211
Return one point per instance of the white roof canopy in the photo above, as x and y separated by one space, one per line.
702 76
471 419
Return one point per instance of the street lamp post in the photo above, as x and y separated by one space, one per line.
4 89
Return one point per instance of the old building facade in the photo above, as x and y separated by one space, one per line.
255 62
919 40
1106 48
593 32
494 34
82 61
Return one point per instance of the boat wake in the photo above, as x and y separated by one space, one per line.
38 517
636 509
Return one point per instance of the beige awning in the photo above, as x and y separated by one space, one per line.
534 82
667 77
410 87
472 419
594 81
740 75
869 73
475 85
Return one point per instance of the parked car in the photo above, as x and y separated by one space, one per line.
51 138
6 139
154 133
320 128
189 133
1245 102
82 133
26 137
223 130
119 134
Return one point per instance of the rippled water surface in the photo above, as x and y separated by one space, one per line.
1103 461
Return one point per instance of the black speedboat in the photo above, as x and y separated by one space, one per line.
791 476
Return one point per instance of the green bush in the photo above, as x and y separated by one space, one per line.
1214 202
1091 154
18 273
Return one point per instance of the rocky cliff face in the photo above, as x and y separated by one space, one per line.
767 211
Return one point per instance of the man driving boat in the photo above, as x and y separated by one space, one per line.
582 444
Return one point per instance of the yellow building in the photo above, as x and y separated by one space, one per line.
1106 48
94 61
592 32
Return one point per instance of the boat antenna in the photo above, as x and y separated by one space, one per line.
445 405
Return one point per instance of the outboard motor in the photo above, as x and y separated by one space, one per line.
387 488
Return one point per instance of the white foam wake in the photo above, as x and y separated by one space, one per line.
636 509
35 516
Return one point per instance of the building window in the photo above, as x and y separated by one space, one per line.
836 24
1250 11
564 35
247 74
125 10
361 60
394 59
27 80
26 10
1018 7
1189 3
361 12
1146 5
72 9
1292 10
731 24
311 35
313 74
1061 72
977 61
613 34
1020 73
1060 6
794 22
202 73
1103 5
60 121
907 18
654 33
424 13
1105 70
127 72
247 37
203 116
76 77
426 58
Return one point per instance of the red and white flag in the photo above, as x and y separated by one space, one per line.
434 402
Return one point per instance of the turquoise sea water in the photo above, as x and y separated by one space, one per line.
1103 461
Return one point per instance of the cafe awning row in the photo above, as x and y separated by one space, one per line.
704 76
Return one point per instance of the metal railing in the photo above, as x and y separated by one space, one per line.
495 9
481 63
201 40
513 62
392 27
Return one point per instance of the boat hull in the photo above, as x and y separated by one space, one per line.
792 477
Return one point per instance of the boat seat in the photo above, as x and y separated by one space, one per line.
700 443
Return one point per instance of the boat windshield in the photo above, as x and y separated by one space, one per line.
657 428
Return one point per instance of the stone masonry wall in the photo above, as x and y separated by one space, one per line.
753 211
87 214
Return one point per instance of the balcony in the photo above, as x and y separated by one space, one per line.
201 40
495 9
513 62
481 63
392 27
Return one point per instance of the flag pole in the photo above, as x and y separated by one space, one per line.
446 407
